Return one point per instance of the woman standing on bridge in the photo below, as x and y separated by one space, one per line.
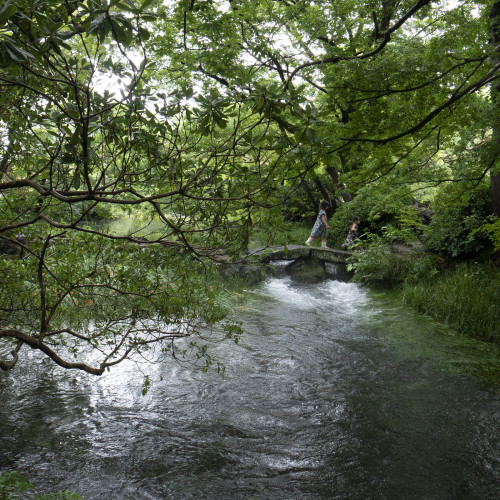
320 228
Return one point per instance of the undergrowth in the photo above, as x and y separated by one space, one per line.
465 296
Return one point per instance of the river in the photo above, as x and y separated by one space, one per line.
334 391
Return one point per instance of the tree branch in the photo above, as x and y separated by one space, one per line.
488 78
386 38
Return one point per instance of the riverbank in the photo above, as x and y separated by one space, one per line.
463 294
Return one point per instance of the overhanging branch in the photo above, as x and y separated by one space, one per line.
487 79
385 40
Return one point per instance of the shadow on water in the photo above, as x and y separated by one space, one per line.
333 392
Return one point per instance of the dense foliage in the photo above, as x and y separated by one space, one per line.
203 121
457 225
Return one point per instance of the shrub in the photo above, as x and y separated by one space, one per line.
14 485
493 230
384 259
376 267
455 226
376 263
376 210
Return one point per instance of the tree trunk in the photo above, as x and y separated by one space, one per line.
5 161
312 199
340 187
322 189
382 25
495 97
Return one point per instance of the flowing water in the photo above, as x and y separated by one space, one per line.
332 392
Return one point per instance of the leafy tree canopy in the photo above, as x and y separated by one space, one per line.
193 118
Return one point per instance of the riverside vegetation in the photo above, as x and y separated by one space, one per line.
445 264
206 122
441 258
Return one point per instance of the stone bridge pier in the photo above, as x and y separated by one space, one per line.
307 264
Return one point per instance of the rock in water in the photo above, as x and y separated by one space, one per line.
307 270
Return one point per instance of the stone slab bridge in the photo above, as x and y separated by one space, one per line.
294 252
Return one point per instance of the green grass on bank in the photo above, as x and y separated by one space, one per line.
467 297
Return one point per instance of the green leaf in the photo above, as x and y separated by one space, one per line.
98 23
56 116
73 111
311 136
259 104
4 56
24 485
17 54
299 135
121 33
146 4
144 34
7 11
131 5
127 8
14 55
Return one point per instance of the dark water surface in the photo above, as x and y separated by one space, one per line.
333 392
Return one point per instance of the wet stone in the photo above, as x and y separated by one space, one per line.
307 270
